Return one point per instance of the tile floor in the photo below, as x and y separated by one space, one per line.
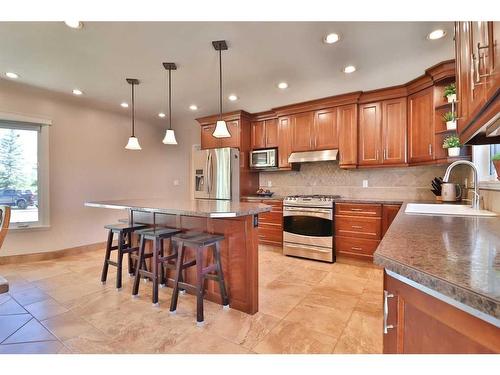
60 306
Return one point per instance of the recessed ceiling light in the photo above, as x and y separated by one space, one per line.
331 38
77 92
282 85
74 24
193 107
436 34
349 69
232 97
161 115
124 105
12 75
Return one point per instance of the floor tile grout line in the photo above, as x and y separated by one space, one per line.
1 342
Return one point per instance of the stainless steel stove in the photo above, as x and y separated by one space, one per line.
308 226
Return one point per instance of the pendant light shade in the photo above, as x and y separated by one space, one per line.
170 134
133 142
169 138
221 130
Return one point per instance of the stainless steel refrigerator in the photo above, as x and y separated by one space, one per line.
216 174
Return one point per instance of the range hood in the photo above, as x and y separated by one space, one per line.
310 156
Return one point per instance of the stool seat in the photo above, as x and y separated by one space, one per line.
157 233
198 239
125 227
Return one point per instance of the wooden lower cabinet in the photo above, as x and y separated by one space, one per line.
270 223
418 323
359 227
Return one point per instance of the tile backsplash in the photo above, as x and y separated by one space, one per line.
328 178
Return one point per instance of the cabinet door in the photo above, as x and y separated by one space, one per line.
207 139
325 135
421 126
389 212
235 131
463 69
302 126
493 61
348 135
271 133
370 134
394 131
258 134
284 141
478 39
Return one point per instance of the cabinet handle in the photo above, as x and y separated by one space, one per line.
356 227
430 149
356 248
356 209
387 327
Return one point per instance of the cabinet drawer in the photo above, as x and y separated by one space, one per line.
355 246
359 227
272 218
270 232
358 209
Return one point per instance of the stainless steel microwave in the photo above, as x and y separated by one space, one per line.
264 158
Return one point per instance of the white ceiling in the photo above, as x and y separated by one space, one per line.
98 58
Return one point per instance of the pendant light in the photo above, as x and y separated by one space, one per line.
170 134
133 142
221 126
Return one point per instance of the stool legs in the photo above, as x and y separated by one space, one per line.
222 284
200 282
178 271
130 261
119 262
104 274
156 249
140 262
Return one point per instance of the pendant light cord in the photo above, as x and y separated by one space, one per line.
170 99
220 84
133 112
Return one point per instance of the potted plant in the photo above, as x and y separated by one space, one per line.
450 119
496 163
450 92
452 143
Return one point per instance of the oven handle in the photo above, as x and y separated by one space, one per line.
306 209
321 215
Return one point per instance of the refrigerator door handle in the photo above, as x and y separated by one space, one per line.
209 172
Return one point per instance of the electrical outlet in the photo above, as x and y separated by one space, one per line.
365 183
269 183
176 182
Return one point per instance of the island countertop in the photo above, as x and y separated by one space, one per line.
186 207
458 257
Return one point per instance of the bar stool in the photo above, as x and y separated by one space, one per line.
159 260
198 241
124 232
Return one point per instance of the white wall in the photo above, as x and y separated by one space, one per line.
88 162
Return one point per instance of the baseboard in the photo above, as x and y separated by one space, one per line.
48 255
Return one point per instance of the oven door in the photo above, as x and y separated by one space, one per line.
308 226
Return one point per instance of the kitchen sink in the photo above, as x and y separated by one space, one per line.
446 209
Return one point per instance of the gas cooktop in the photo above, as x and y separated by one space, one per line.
311 200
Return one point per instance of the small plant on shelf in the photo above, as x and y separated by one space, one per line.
450 92
450 119
452 144
496 162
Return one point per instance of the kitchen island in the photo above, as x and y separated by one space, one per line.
441 284
237 221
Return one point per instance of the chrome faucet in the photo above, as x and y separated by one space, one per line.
475 200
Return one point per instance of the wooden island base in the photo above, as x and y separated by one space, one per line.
239 255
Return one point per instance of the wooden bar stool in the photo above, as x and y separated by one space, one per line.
159 260
124 232
199 241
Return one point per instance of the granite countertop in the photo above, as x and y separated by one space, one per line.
368 200
186 207
458 257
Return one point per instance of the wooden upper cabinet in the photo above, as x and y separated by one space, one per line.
421 126
370 133
284 141
258 134
325 134
382 132
477 46
394 131
207 139
264 134
347 121
235 131
271 133
302 131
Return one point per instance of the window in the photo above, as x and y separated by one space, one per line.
481 156
24 172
